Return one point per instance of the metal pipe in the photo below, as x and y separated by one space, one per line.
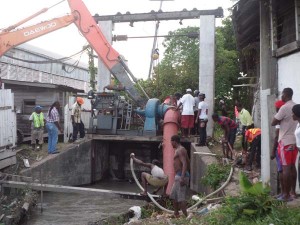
170 128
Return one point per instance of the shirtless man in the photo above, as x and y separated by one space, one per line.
181 165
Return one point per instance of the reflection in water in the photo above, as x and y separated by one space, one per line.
78 209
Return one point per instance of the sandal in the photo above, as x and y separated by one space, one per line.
143 194
282 198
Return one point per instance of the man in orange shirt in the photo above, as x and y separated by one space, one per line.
253 136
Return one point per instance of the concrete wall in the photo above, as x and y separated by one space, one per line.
101 160
289 75
70 167
199 165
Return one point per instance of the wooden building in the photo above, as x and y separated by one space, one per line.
268 38
40 78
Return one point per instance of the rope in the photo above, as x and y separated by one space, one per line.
189 209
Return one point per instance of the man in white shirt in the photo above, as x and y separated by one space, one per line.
202 118
187 115
157 178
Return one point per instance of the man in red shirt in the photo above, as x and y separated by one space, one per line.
229 127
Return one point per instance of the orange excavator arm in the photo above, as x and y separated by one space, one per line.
80 15
14 38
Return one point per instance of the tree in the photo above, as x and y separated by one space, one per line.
179 68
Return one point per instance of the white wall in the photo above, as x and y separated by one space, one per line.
289 74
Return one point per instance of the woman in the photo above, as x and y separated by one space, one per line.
52 125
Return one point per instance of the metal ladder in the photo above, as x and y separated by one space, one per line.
128 116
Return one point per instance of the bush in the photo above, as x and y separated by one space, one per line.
215 174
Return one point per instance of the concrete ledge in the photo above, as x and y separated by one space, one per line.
199 165
72 166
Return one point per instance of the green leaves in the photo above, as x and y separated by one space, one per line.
215 174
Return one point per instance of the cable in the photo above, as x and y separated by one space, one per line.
154 42
193 206
47 61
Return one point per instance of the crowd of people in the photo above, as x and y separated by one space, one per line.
194 119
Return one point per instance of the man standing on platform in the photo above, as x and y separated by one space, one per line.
187 115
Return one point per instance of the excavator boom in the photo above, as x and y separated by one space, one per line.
14 38
80 15
109 56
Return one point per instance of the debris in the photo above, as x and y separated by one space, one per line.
26 163
137 211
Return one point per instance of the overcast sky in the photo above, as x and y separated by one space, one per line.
67 41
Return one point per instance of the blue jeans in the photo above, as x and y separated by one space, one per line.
52 137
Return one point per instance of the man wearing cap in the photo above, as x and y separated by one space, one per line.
78 126
187 115
37 127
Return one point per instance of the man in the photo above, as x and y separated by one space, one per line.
229 127
246 120
223 108
253 136
157 178
181 181
37 127
274 154
287 148
202 117
187 115
296 116
78 126
197 100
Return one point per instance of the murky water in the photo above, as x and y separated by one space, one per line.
77 209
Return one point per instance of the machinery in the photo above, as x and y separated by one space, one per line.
111 113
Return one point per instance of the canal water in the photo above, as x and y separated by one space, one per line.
80 209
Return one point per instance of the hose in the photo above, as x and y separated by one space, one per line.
193 206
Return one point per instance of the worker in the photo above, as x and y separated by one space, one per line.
229 127
77 123
203 119
187 116
253 137
37 127
246 120
157 178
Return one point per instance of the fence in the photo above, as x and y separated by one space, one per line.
8 130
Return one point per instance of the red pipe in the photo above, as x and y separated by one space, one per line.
171 126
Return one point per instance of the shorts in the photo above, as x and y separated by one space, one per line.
178 192
187 121
37 134
287 154
155 181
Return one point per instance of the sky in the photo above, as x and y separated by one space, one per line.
68 41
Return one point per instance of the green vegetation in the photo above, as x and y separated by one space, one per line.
253 206
215 174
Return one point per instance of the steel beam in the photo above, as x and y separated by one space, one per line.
159 15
